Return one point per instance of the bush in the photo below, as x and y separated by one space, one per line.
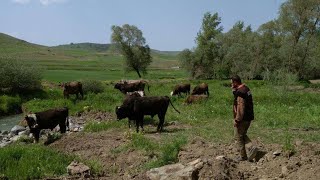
9 104
93 86
17 77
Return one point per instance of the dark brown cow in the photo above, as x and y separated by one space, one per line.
131 86
181 88
136 107
73 87
195 98
201 89
48 119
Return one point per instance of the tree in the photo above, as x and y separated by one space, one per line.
133 47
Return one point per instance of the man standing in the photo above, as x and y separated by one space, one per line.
243 115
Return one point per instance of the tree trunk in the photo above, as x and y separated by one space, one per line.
137 70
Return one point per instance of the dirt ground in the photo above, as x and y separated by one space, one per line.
271 162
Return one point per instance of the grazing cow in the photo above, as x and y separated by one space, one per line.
73 87
136 107
181 88
195 98
201 89
48 119
131 86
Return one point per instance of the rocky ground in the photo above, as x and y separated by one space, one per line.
218 163
217 160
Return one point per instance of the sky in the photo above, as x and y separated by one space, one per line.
167 25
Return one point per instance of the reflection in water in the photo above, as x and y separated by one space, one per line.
7 122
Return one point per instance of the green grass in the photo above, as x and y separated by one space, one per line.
32 162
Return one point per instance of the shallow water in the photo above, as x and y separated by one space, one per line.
8 122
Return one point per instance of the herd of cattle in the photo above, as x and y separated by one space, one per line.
134 107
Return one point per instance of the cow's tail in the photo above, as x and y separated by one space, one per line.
173 106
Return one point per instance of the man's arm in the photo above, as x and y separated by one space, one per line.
240 109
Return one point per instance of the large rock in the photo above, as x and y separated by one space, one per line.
16 129
78 168
189 171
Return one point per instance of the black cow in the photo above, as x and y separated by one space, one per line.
73 87
48 119
131 86
201 89
181 88
135 108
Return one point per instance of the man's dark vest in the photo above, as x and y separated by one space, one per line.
245 93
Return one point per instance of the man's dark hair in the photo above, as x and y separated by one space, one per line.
236 78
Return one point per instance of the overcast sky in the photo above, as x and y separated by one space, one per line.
166 24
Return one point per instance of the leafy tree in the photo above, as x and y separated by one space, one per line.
133 47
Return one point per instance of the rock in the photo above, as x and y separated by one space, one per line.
5 132
78 168
1 137
16 129
26 132
284 171
220 157
176 171
276 153
15 138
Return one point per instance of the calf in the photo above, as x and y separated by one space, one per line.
136 107
195 98
201 89
72 88
181 88
48 119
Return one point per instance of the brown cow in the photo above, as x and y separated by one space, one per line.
73 87
48 119
131 86
195 98
201 89
181 88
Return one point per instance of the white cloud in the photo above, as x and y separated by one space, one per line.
48 2
21 1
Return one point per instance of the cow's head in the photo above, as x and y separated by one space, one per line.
122 112
117 86
31 121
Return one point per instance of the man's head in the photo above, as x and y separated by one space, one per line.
235 81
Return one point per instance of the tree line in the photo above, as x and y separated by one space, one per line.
290 44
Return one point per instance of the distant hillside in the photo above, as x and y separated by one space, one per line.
85 46
23 50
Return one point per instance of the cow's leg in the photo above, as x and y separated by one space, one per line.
77 96
141 124
161 122
137 124
63 127
81 93
129 123
36 135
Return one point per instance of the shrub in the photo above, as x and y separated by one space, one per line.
17 77
9 104
93 86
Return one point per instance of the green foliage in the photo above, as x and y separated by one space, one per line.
16 77
93 86
9 104
289 43
32 162
133 47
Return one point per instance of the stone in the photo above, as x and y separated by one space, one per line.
284 171
78 168
176 171
220 158
299 142
16 129
5 132
276 153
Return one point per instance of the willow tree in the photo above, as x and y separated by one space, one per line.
133 47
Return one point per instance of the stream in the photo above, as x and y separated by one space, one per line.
8 122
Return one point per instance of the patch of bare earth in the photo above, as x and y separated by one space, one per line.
128 163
